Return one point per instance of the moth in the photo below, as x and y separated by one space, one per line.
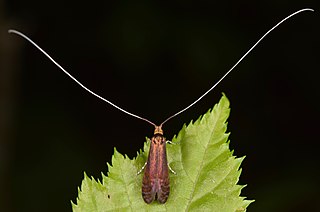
156 183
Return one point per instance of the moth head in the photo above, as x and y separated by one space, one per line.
158 130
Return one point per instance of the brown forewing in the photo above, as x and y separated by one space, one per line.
155 183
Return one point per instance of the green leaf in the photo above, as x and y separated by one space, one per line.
206 179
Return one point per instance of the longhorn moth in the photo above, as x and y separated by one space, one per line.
155 183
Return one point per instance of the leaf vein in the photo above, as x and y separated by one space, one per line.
202 161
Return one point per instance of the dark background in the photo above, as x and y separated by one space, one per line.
153 59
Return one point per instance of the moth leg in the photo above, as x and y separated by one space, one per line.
171 169
142 168
170 142
139 172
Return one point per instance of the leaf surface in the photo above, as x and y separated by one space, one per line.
206 179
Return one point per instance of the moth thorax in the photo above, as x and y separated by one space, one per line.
158 130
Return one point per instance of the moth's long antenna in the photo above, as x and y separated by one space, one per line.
74 79
283 20
136 116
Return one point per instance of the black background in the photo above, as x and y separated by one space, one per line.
153 59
